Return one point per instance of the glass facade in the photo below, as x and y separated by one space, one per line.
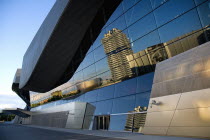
117 73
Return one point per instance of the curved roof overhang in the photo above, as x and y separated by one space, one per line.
62 42
23 94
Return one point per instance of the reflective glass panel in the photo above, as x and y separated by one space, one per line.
138 11
118 123
146 41
79 99
91 96
103 107
188 42
89 72
142 99
144 82
199 1
156 3
78 77
118 23
88 60
142 27
128 4
125 88
123 104
106 93
105 78
102 66
99 53
171 10
187 23
204 12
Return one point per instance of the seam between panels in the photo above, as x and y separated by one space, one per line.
173 114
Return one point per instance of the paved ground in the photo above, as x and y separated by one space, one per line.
30 132
18 132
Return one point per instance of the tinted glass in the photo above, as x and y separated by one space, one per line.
123 104
144 82
106 78
171 10
103 107
128 4
78 77
89 72
188 42
79 99
91 96
118 123
199 1
185 24
125 88
146 41
138 11
204 12
99 53
118 23
88 60
142 27
142 99
156 3
106 93
102 66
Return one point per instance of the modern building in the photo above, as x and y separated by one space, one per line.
120 65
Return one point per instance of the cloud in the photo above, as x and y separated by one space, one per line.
11 101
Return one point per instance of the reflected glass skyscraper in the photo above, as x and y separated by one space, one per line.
117 47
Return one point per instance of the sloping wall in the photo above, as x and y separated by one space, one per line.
181 87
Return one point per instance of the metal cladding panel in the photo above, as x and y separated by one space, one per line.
69 28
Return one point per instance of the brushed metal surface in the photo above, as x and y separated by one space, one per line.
159 119
201 132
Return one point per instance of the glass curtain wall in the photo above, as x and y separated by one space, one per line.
117 73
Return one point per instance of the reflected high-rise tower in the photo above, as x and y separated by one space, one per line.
117 47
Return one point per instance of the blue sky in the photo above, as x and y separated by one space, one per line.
20 20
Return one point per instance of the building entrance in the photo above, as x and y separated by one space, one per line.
102 122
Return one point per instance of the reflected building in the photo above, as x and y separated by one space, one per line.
144 61
135 120
117 47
